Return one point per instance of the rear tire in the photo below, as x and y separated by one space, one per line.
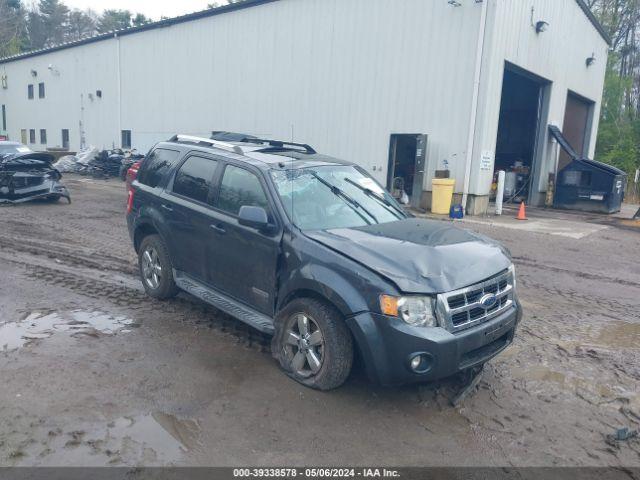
313 344
156 271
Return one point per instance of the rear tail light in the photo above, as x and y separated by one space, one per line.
130 201
132 173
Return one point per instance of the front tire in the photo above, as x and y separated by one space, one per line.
313 344
156 271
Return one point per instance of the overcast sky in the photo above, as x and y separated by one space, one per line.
151 8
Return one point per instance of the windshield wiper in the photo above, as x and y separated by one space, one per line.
353 203
370 193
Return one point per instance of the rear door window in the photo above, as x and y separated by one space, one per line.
240 187
156 166
194 178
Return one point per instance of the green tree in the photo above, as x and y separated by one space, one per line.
13 27
112 20
218 4
81 24
55 18
140 19
619 132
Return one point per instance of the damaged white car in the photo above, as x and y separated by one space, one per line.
27 175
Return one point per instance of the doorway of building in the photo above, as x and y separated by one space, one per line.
576 127
407 156
518 131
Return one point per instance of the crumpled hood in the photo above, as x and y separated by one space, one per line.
26 160
417 255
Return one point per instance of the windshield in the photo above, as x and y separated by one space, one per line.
13 148
325 197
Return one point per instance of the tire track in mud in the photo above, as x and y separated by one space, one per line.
71 255
575 273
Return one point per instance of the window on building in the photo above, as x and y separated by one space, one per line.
41 90
43 136
4 118
194 178
156 166
240 187
32 135
30 91
65 138
126 139
23 136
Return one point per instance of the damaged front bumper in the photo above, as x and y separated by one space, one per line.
19 187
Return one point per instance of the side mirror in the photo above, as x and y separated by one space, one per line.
254 217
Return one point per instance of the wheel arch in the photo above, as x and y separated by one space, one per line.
324 285
143 230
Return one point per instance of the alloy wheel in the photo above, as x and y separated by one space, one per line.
304 345
151 268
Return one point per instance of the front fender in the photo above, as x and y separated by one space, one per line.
326 283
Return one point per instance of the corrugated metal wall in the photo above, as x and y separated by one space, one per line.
342 75
558 55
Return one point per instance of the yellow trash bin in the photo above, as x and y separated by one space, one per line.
441 195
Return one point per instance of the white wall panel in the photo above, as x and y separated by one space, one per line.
558 55
342 75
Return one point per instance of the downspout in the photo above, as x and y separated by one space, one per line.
474 102
119 79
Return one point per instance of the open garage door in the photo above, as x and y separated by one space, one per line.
577 121
518 128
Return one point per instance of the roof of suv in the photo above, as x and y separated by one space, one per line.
265 154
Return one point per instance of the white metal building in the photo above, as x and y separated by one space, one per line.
399 86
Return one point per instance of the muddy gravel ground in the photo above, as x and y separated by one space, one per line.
95 373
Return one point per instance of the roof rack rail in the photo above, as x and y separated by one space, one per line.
280 144
207 141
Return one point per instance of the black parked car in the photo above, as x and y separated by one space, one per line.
313 250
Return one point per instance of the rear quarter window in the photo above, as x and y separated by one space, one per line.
157 165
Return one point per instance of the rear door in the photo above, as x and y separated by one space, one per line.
151 181
242 261
186 205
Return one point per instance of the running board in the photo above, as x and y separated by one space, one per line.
221 301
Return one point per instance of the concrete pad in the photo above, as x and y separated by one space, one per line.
563 228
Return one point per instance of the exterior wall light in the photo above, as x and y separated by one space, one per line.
454 3
34 73
591 60
541 26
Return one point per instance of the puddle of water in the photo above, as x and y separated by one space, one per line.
39 325
167 435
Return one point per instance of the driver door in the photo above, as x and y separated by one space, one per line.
242 261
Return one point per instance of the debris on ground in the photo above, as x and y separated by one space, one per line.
622 435
472 380
67 164
99 163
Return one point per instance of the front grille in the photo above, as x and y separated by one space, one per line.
26 182
461 309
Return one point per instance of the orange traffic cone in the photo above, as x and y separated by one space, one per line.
522 213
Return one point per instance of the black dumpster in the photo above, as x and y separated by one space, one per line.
588 185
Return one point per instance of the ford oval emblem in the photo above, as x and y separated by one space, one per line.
488 301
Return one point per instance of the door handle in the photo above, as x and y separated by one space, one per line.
218 229
167 207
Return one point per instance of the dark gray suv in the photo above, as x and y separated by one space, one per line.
314 251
